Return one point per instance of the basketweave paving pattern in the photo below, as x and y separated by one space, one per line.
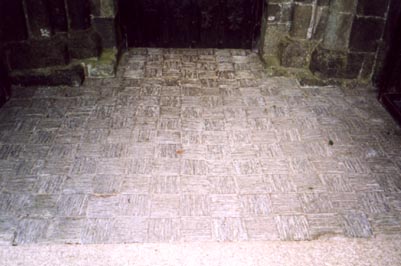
196 145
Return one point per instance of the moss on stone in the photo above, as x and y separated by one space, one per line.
102 67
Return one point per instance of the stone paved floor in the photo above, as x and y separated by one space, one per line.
196 145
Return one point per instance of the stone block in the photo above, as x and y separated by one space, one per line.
273 13
343 6
13 26
320 24
108 8
106 29
102 67
372 8
337 31
295 54
72 75
367 68
323 2
79 14
336 64
38 18
301 21
37 53
103 8
84 44
273 36
286 13
366 33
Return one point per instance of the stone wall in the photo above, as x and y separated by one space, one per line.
38 34
333 39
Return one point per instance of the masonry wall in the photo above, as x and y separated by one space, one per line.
52 33
334 39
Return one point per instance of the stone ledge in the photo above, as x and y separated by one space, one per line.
71 75
103 67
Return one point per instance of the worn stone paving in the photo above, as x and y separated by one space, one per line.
196 145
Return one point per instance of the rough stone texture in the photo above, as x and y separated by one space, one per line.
301 21
103 67
365 34
84 44
106 28
72 75
347 6
337 32
295 54
37 53
320 24
336 64
344 29
171 151
274 35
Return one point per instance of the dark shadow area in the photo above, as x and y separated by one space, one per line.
389 80
192 23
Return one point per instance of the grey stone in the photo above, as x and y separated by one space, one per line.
302 15
338 30
336 64
295 54
84 44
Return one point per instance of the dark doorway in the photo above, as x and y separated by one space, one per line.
192 23
390 78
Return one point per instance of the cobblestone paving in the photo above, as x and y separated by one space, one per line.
196 145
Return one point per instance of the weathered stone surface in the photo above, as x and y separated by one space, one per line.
323 2
336 64
343 6
365 34
111 162
102 67
84 44
69 75
273 13
295 54
320 23
38 53
273 37
337 32
367 68
301 21
107 30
